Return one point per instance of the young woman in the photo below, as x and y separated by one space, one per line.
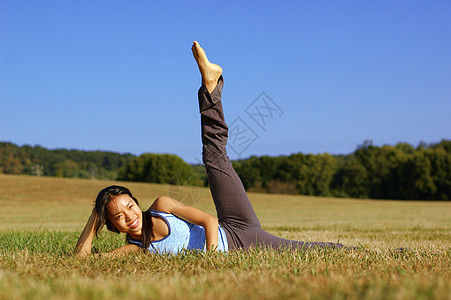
170 226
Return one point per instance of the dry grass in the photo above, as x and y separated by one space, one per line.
42 217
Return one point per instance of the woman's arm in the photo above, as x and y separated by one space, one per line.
83 247
84 243
192 215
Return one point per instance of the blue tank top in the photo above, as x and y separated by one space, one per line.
182 235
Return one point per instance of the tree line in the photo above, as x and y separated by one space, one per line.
38 161
386 172
149 167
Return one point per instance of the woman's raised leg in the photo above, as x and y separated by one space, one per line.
235 212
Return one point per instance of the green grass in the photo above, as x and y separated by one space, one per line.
41 219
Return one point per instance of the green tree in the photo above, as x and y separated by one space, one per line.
67 168
353 180
440 160
413 179
157 168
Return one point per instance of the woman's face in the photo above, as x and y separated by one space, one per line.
125 215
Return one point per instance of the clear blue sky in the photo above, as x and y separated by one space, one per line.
119 75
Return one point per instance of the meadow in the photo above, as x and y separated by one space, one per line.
41 219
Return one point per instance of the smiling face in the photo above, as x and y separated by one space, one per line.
125 215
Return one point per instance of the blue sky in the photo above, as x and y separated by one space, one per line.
119 75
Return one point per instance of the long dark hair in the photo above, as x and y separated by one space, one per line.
104 197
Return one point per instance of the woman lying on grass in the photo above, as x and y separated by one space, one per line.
170 226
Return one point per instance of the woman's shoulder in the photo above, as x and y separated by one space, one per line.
162 204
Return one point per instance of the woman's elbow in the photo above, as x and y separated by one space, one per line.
211 222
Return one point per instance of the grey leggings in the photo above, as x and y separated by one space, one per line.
235 212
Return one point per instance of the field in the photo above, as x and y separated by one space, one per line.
41 219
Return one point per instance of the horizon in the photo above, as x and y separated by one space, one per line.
237 159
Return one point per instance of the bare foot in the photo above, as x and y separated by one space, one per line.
210 72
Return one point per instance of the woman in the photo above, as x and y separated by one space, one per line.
170 226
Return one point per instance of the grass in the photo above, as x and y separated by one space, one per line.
42 217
